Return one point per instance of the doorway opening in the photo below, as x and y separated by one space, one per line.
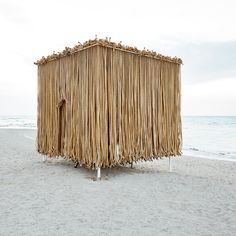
62 126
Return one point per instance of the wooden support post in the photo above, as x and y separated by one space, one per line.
98 173
76 164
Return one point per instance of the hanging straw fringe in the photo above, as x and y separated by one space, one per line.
105 106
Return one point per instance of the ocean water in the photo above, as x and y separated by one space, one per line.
211 137
18 122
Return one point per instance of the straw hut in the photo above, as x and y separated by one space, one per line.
102 104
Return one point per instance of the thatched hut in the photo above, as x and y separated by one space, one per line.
102 104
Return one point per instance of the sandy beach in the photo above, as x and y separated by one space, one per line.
54 198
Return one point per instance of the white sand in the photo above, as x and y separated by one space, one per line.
53 198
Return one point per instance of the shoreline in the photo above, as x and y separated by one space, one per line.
209 157
17 128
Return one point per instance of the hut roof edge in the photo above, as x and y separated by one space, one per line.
106 43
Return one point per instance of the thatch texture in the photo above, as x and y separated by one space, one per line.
102 105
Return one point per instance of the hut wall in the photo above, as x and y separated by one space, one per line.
103 106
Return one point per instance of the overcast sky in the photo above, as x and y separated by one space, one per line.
202 33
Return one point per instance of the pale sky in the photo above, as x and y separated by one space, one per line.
202 33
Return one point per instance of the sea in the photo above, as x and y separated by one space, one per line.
212 137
